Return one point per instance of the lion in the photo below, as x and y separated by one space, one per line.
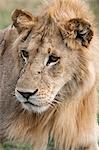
48 77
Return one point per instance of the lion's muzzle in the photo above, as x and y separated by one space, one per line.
26 95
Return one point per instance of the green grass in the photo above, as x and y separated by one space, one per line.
95 7
98 118
8 146
4 16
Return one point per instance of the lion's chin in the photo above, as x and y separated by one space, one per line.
35 109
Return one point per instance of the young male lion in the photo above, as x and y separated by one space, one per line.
48 61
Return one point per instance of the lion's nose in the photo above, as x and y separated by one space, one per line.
27 94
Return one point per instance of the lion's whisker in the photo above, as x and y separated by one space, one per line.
53 105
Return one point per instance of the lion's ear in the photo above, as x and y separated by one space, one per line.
22 20
79 30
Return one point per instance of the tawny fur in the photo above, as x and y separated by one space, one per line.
71 123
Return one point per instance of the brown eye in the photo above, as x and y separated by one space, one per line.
25 53
52 59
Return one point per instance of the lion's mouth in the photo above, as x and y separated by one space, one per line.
28 102
33 104
34 107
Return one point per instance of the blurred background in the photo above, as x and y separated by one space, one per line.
6 8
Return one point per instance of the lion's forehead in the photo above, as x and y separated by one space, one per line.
38 42
43 34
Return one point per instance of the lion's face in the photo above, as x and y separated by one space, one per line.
47 63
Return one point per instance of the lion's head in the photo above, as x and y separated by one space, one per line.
53 55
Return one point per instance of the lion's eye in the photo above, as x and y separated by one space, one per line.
25 54
53 59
